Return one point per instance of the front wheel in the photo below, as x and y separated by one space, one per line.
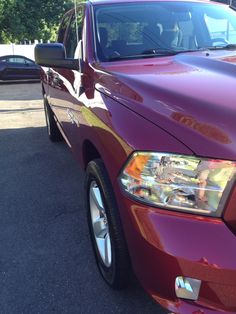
105 227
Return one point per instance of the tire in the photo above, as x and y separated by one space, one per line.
106 231
52 128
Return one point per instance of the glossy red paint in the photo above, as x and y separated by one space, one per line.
170 104
176 244
182 94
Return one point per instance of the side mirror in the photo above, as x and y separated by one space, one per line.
54 55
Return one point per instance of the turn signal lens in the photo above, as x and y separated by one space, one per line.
179 182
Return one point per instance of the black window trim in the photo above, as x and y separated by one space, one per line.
72 18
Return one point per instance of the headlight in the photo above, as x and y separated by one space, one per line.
179 182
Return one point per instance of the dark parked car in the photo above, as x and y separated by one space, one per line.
144 93
14 68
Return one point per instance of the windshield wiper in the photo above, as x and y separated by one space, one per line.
172 51
226 47
145 54
159 52
151 53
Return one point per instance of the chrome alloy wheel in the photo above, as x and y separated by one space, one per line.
100 224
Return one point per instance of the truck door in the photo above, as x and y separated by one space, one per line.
65 84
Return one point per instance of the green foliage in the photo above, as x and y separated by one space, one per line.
28 20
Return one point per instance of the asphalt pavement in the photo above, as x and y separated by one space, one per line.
46 261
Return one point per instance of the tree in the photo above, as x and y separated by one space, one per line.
4 7
27 19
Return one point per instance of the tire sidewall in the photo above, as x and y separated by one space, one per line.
52 128
47 117
93 175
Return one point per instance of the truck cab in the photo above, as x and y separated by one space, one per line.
143 92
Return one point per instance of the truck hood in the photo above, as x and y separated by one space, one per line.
192 96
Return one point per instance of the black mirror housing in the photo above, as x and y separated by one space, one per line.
54 55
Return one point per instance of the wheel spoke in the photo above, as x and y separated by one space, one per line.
100 224
104 247
99 228
107 258
101 247
95 195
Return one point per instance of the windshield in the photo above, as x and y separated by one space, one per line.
135 30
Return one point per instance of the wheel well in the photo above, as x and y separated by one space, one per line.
89 153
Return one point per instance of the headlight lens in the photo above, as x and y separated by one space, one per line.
179 182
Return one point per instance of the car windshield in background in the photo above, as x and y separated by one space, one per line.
125 31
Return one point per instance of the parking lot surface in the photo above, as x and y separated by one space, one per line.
46 261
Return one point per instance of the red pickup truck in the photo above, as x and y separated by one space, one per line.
144 94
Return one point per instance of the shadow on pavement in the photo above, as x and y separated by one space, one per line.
20 110
46 262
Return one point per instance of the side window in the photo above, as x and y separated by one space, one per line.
29 62
220 29
64 24
74 34
16 60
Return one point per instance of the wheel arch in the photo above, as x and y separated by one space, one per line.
89 152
